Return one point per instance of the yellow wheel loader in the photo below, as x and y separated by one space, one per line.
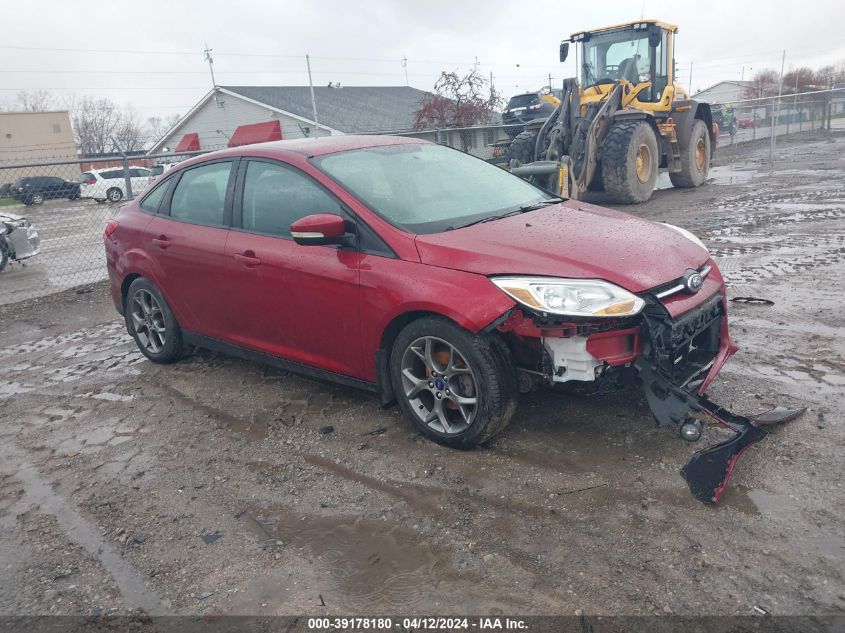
620 122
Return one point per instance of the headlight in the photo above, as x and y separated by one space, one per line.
692 238
571 297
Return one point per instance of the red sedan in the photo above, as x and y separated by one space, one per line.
418 272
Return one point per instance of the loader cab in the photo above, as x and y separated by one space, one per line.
638 52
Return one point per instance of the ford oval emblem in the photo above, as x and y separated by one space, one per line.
693 281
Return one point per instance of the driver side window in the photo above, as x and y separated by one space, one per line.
274 197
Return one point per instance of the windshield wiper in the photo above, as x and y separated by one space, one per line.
539 205
522 209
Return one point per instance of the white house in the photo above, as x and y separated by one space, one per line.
272 112
724 92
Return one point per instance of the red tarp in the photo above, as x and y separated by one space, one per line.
189 143
256 133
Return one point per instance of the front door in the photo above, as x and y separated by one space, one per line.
297 302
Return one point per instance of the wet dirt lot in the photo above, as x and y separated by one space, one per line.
206 487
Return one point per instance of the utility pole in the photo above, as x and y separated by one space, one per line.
405 67
690 78
313 100
776 109
210 61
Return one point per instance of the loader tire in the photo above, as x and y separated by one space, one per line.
695 159
521 148
629 162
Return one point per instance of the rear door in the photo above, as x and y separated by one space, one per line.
187 238
140 178
298 302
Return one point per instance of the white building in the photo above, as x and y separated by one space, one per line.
275 112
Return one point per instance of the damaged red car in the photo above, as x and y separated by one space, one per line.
441 282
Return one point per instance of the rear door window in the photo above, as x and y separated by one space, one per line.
200 195
152 201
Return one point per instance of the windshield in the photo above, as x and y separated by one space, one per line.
608 57
426 188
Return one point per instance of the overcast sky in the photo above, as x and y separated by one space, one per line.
148 55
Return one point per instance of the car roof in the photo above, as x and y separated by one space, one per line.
309 147
101 170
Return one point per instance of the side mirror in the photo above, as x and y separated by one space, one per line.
318 229
655 35
564 51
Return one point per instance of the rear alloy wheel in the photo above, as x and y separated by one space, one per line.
114 195
151 323
629 162
36 198
458 389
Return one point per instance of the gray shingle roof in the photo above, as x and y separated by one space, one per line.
353 110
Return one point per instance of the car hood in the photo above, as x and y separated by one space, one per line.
571 239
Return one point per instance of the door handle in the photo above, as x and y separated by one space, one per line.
162 242
248 259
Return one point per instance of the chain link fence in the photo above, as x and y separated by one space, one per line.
52 213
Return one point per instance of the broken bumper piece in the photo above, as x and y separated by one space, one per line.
709 470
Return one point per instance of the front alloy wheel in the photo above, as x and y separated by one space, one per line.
439 385
457 388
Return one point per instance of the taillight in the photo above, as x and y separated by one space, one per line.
89 182
111 227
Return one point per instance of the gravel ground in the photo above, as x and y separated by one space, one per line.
207 488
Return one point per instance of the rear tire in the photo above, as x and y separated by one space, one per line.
695 160
114 195
151 323
629 162
457 388
521 148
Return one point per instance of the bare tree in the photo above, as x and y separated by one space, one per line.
764 83
158 126
95 123
130 135
35 101
458 101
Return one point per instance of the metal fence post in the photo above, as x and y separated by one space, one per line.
127 178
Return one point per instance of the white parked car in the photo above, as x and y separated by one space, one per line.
110 184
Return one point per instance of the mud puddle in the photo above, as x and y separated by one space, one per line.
365 562
719 175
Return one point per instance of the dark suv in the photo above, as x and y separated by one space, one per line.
37 189
527 107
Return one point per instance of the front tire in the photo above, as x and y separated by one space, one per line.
457 388
629 162
695 160
151 323
36 198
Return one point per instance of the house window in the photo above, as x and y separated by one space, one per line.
57 128
490 136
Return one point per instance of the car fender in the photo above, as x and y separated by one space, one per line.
137 262
396 291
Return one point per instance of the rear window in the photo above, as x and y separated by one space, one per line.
522 101
86 176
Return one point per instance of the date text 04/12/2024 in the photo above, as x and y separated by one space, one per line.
414 623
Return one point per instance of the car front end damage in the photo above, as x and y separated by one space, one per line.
673 346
